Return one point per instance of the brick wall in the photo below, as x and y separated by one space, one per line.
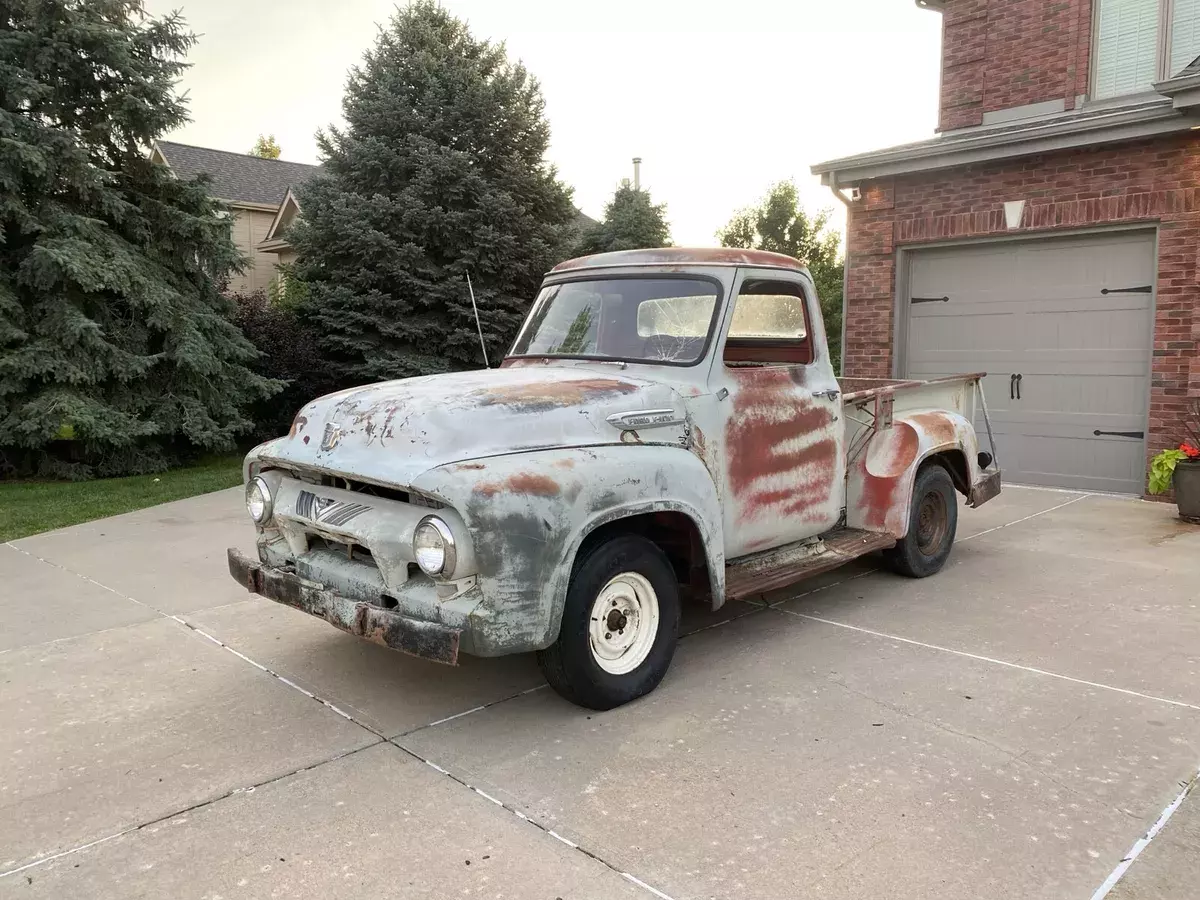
1000 54
1153 181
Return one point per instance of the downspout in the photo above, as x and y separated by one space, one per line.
845 271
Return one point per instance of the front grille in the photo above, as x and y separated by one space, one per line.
356 552
316 476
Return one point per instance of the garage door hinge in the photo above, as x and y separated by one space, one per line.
1144 289
929 300
1129 434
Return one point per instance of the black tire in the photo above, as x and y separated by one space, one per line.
932 524
569 664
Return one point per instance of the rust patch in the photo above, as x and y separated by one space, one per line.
521 483
538 485
877 497
939 429
306 437
565 464
465 467
298 424
778 435
543 396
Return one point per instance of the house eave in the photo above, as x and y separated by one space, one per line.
982 145
1184 92
278 245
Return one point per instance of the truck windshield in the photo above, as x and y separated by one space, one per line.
663 320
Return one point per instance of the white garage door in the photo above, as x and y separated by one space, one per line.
1064 329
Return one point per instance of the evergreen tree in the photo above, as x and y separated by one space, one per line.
116 353
631 222
438 173
779 223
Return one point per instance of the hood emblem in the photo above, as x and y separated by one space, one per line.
645 418
327 510
333 434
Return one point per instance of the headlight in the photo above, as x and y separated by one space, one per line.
258 500
433 546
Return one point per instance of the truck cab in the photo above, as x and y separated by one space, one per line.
667 428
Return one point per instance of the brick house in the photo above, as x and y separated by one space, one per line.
1049 233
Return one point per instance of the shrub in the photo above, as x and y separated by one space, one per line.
288 351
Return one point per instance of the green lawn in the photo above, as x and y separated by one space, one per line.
27 507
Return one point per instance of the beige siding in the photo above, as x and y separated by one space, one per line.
250 227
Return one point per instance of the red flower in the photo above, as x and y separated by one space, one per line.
1191 451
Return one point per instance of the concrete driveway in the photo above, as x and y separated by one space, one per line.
1009 728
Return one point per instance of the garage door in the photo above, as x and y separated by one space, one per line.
1064 329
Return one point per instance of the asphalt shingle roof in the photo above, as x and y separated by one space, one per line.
237 176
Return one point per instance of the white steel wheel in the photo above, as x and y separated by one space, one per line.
624 623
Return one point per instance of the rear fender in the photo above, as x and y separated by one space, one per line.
880 478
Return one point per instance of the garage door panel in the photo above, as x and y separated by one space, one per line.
1037 308
1089 464
996 331
1083 329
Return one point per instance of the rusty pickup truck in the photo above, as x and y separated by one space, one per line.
667 428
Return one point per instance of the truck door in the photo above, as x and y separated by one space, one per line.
780 410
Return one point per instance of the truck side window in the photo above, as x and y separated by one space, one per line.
769 326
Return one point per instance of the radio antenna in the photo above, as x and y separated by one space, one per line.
478 324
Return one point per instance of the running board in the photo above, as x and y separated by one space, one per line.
782 566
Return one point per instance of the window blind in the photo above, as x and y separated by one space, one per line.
1127 46
1185 35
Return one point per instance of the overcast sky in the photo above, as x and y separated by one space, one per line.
720 99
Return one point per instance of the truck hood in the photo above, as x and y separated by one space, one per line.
393 431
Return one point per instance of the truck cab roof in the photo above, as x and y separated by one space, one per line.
683 256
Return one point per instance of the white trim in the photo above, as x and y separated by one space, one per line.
289 197
1028 111
981 144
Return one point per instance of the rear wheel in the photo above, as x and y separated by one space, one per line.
619 627
932 524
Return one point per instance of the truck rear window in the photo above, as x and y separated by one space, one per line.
664 320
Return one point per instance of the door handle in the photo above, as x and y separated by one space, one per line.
831 394
1019 377
1012 386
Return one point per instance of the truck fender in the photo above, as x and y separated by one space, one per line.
529 514
880 477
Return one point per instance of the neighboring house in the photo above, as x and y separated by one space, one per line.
1049 234
259 191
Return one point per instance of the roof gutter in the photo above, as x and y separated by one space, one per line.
991 144
845 273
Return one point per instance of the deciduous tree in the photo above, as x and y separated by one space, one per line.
779 223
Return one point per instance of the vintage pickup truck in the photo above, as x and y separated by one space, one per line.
667 427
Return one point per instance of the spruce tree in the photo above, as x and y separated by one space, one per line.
631 222
439 173
116 353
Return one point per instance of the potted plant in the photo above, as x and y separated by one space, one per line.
1181 468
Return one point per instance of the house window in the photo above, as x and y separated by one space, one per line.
1139 42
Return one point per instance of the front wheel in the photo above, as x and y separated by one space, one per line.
932 523
619 626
